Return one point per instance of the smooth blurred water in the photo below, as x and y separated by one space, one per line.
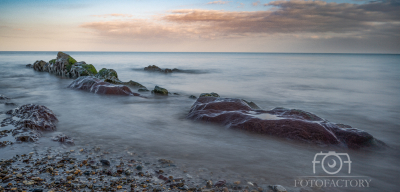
355 89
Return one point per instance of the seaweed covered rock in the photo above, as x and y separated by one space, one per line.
287 123
111 76
107 74
98 86
81 69
159 90
62 65
133 84
212 94
28 121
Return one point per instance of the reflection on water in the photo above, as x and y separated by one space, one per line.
358 90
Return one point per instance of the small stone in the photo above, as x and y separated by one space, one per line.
209 184
105 162
236 182
225 189
139 168
278 188
119 187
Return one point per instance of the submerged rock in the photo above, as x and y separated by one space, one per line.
212 94
28 120
35 117
143 90
192 97
287 123
97 86
29 65
63 139
2 97
153 68
159 90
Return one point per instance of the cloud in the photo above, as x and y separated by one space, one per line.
218 2
255 4
113 15
301 19
241 5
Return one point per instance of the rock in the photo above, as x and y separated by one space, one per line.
192 97
8 103
81 69
220 183
26 138
39 65
143 90
277 188
225 189
154 68
36 117
236 182
2 97
209 184
28 121
165 161
63 139
159 90
287 123
107 74
62 65
139 168
105 162
29 65
134 84
252 104
212 94
128 172
97 86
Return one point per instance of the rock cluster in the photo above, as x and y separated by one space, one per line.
65 65
287 123
26 123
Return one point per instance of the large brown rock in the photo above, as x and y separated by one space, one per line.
287 123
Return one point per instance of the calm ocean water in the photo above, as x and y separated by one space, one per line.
355 89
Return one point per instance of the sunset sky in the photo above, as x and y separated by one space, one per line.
334 26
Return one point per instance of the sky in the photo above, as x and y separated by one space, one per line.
294 26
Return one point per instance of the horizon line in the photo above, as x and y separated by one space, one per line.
354 53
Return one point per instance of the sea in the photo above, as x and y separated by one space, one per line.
361 90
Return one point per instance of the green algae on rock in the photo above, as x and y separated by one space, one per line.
159 90
107 74
212 94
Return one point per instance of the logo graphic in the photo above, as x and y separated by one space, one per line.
333 161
